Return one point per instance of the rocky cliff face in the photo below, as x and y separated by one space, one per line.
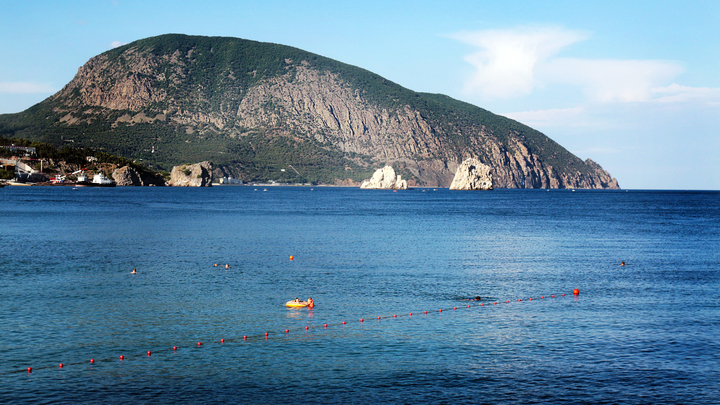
197 175
350 112
472 175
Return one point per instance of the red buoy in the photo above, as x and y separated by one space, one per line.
266 335
411 314
481 305
244 337
361 320
149 353
508 301
553 296
440 310
122 357
468 306
576 292
425 312
174 347
92 361
454 308
378 318
542 297
287 330
222 340
307 327
199 344
29 369
563 294
395 316
495 302
326 325
343 323
61 365
530 298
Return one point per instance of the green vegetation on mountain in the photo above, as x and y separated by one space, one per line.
254 109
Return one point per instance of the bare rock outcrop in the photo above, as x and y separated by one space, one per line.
472 175
385 178
197 175
127 176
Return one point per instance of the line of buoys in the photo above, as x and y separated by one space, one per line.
576 292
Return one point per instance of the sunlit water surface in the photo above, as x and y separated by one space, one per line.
646 332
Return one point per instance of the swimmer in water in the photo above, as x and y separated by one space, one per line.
134 271
311 303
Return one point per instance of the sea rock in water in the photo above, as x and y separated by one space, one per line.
385 178
472 175
197 175
127 176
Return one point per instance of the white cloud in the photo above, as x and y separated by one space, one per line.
25 88
115 44
609 81
507 60
676 93
514 62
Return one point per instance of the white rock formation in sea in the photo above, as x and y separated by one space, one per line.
472 175
127 176
385 178
197 175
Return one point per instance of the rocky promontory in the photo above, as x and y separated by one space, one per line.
472 175
196 175
385 178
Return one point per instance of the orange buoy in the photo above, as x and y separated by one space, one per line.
576 292
291 258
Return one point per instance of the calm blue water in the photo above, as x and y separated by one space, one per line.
647 332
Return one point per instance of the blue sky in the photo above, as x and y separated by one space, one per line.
633 85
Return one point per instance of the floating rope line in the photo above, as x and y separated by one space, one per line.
266 335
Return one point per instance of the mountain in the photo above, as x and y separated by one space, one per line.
262 111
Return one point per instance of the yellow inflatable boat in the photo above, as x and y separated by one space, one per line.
298 304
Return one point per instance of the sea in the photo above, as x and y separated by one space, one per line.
423 296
